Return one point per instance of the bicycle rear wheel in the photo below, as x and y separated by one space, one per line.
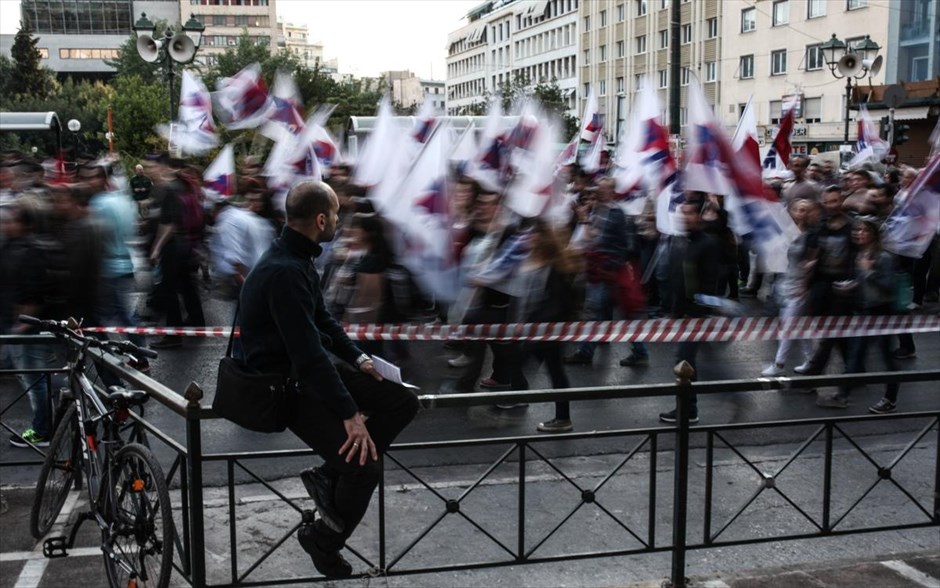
59 471
139 539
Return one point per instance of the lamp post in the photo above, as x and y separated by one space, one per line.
851 63
75 125
620 97
180 47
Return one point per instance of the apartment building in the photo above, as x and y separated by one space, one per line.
77 36
625 44
227 20
296 39
772 50
505 38
410 91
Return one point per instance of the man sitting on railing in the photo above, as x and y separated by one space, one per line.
286 329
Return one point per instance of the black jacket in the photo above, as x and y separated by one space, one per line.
285 327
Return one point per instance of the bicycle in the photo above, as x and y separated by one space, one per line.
127 491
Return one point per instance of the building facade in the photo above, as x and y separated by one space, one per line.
626 44
77 36
296 39
227 20
410 91
772 50
505 40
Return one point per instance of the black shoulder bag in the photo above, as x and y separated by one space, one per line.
247 397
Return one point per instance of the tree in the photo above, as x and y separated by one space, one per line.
138 107
29 77
555 102
549 95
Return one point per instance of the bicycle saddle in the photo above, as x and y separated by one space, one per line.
120 397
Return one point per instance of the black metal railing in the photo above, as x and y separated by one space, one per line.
187 469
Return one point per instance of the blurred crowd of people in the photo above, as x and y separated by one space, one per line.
66 250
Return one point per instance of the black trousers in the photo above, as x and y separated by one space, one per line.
390 408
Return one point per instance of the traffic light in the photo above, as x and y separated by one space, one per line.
885 130
900 133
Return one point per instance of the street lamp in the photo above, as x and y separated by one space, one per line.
620 97
180 47
852 63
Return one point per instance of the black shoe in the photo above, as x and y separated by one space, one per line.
670 417
321 489
329 563
580 358
167 342
901 353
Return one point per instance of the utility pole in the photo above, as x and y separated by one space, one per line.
675 66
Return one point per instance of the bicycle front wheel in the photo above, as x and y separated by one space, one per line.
139 539
58 473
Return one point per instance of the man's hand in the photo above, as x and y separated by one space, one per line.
358 440
368 367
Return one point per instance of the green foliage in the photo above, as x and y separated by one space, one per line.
549 95
28 76
138 107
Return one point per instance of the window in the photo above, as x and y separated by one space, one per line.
587 23
587 57
812 110
746 67
640 7
683 116
619 85
711 71
781 12
778 62
855 4
241 20
663 39
776 111
603 18
686 34
663 4
639 80
663 79
587 88
602 87
620 12
641 44
814 57
748 20
219 20
712 25
816 8
686 74
620 51
603 54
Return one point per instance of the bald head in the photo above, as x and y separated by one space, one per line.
313 209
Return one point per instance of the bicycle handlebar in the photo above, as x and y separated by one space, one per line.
62 327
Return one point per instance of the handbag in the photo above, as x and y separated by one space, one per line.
247 397
629 290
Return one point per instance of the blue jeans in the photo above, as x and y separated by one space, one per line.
599 306
114 305
40 356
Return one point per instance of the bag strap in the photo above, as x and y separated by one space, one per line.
231 335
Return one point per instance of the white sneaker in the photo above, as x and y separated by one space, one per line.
773 371
803 368
459 362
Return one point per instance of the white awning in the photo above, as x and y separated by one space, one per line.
477 33
910 113
537 8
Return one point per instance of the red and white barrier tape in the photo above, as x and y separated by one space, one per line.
647 331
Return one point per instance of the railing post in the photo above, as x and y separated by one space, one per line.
684 373
197 547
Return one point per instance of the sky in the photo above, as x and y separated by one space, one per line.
367 36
